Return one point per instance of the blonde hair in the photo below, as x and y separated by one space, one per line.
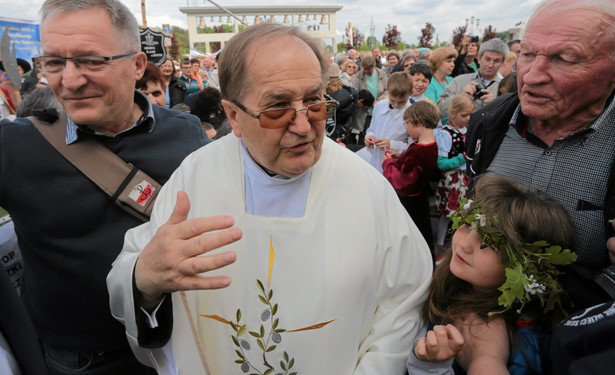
440 55
348 62
460 102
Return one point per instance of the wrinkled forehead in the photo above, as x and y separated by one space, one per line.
289 52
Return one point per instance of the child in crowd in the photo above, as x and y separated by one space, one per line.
410 172
421 76
497 286
453 183
386 131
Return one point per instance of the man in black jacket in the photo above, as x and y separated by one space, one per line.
556 137
69 231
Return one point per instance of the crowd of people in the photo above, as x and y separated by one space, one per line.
317 177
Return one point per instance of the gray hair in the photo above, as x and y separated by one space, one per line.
41 98
495 46
604 8
233 60
368 62
124 23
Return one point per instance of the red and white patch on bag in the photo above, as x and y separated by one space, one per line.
142 192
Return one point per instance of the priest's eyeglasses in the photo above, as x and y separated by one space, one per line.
277 118
85 64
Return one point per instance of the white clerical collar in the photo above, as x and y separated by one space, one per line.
274 196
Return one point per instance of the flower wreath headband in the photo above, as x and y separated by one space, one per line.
531 272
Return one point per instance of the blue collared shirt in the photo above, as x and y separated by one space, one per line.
147 118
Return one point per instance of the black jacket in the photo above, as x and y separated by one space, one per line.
486 130
177 91
18 331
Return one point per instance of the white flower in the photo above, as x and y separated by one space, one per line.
533 287
468 204
481 219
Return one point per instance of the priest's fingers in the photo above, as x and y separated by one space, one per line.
197 282
201 264
182 207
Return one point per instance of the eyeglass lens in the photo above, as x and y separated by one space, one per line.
279 118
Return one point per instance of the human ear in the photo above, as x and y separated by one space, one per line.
140 61
231 115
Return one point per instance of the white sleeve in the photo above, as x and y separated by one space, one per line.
444 141
402 289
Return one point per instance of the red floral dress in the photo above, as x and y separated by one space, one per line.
453 185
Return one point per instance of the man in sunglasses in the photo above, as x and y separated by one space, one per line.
273 250
69 230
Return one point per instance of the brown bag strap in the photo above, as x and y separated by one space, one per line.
127 186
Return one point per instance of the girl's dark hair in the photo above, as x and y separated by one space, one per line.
523 217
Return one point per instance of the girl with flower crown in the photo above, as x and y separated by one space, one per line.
497 288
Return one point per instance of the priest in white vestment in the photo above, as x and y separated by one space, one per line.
273 250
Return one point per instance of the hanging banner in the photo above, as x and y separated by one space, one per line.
24 35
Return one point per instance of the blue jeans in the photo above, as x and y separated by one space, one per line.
62 361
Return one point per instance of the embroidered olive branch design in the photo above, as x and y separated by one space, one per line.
266 339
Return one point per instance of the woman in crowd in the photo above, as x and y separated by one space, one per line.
466 61
442 63
349 68
392 60
175 90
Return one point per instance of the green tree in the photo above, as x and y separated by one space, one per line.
371 42
181 37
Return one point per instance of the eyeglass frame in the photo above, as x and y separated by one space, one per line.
328 100
106 59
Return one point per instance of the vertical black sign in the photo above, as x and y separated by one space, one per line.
152 43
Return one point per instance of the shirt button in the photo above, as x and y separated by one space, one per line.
548 153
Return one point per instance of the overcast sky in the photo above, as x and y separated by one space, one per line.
410 16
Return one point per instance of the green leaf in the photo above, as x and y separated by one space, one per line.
268 371
260 285
513 287
279 330
262 330
235 340
263 300
239 361
283 365
255 334
274 309
559 256
291 363
275 324
240 354
238 315
270 294
285 356
242 330
271 348
260 344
